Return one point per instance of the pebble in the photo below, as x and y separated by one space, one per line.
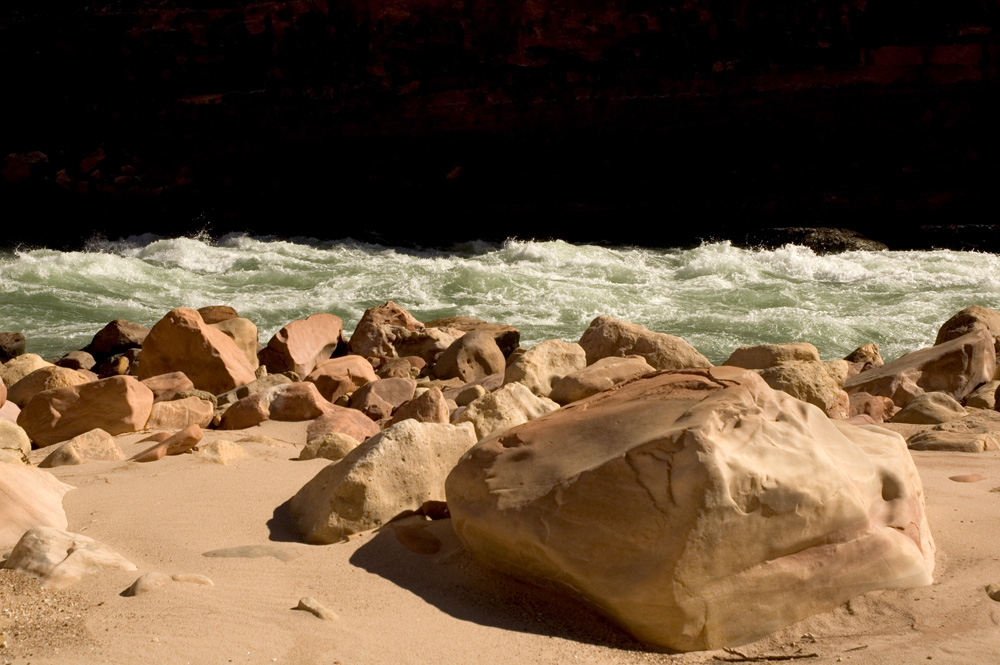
310 604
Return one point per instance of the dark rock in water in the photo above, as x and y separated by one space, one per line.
11 345
117 337
820 240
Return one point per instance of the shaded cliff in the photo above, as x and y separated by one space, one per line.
660 122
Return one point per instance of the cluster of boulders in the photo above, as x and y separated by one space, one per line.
623 467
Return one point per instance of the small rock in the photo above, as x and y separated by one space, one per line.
221 451
252 552
310 604
146 583
993 591
189 578
967 478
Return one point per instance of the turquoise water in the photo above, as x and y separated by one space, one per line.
715 296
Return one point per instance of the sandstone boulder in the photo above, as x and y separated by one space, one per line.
93 445
340 420
182 342
698 509
968 320
117 405
599 376
165 386
506 337
543 365
338 377
955 367
427 407
17 368
930 409
610 337
14 443
117 337
984 397
244 333
427 343
45 378
29 497
290 402
473 356
77 360
303 344
212 314
331 446
378 399
809 381
864 358
391 473
877 407
179 413
255 386
376 331
762 356
60 558
510 405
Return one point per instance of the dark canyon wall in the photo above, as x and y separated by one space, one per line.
658 122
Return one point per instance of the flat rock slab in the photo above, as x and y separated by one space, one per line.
253 552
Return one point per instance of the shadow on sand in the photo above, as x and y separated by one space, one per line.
282 525
427 559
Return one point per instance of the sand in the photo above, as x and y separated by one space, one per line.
408 593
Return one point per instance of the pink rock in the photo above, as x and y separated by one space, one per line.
165 386
303 344
341 420
10 411
118 404
341 376
429 407
182 342
473 356
374 334
290 402
179 413
29 497
217 313
379 399
879 409
3 393
179 443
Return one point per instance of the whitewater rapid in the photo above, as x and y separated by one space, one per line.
716 296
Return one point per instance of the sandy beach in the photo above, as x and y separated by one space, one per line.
408 592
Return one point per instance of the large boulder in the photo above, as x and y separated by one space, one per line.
338 377
29 497
393 472
510 405
290 402
302 344
182 342
698 509
179 413
340 420
377 330
541 366
117 405
968 320
506 337
610 337
117 337
14 443
762 356
17 368
473 356
955 367
427 407
60 558
810 381
243 332
45 378
378 399
930 409
601 375
165 386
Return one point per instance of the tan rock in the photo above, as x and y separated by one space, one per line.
510 405
373 337
808 381
14 443
290 402
17 368
427 343
864 358
165 386
221 451
609 337
29 497
762 356
474 355
302 344
93 445
379 399
182 342
333 447
541 366
317 609
179 413
244 333
930 409
984 397
968 320
428 407
950 441
506 337
341 420
255 386
599 376
955 367
117 405
397 470
738 509
338 377
148 583
213 314
60 558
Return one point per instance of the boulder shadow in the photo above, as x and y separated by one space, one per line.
281 526
406 553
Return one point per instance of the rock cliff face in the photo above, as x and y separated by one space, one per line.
226 113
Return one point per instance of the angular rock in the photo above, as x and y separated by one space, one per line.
330 446
510 405
374 335
930 409
290 402
303 344
808 381
955 367
29 497
77 360
12 344
314 607
116 405
45 378
182 342
762 356
178 444
340 420
213 314
391 473
60 558
17 368
984 397
165 386
506 337
950 441
541 366
117 337
221 451
427 407
968 320
737 509
473 356
243 332
14 443
610 337
179 413
601 375
93 445
338 377
379 399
